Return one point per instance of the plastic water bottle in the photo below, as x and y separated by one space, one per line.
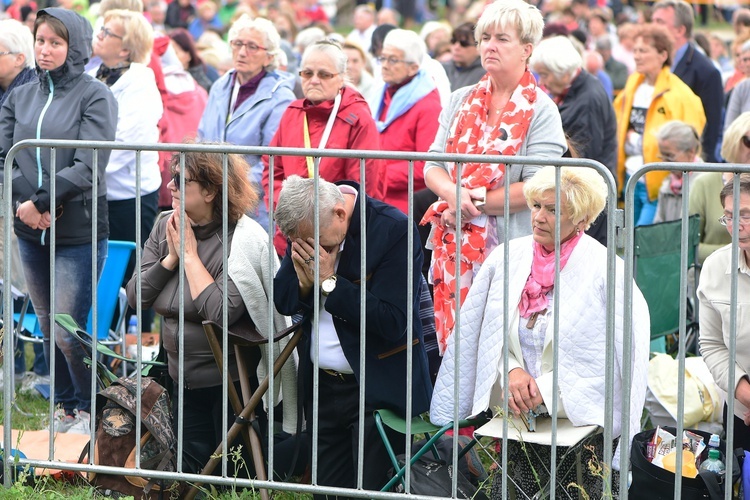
133 325
714 463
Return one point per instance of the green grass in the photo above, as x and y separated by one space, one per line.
30 412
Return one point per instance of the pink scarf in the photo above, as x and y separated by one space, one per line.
542 278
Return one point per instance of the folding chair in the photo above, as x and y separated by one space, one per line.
419 425
111 300
243 336
657 274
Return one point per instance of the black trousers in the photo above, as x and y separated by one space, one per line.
741 431
203 432
338 427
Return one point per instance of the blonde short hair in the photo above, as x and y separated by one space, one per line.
139 35
730 147
584 188
525 18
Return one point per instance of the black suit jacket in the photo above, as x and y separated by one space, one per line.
699 73
386 307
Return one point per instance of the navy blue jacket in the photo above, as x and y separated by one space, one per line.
699 73
386 307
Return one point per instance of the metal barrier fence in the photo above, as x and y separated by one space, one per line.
613 214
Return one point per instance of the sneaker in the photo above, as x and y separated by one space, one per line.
63 421
82 424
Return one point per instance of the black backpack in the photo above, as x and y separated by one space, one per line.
115 439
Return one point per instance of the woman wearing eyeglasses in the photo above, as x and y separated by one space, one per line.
124 46
714 295
332 115
247 273
678 142
406 110
246 104
65 104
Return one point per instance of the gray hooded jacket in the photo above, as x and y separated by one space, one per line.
65 104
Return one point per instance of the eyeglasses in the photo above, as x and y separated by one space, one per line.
251 47
108 32
390 60
306 74
746 141
726 220
464 43
8 53
176 179
667 157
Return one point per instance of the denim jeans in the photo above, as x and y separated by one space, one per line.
72 378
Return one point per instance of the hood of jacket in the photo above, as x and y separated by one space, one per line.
80 37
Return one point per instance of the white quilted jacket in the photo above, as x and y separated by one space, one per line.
582 339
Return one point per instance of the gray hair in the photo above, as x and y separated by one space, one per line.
558 55
307 37
523 17
684 137
297 202
409 42
683 14
17 38
271 38
330 48
604 43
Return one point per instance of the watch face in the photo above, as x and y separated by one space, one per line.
328 285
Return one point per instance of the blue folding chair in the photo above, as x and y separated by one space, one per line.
111 300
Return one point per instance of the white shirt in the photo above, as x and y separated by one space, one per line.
330 354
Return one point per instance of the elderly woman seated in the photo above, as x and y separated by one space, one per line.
678 142
248 274
583 316
406 111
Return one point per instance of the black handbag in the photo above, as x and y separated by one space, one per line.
653 482
435 478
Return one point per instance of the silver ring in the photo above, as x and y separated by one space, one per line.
309 259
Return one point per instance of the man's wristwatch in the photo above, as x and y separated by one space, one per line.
328 285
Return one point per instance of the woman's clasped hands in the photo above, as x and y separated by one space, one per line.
173 241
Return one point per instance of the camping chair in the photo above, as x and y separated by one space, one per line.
244 336
419 425
657 274
111 300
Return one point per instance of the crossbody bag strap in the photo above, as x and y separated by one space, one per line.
324 138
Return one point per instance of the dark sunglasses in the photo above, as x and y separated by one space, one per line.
463 42
176 179
306 74
746 141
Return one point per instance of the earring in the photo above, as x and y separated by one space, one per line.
578 230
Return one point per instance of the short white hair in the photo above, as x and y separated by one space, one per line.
409 42
331 49
523 17
17 38
297 203
558 55
271 38
307 37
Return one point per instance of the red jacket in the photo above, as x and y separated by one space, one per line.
414 131
354 128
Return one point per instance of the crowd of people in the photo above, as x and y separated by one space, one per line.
625 88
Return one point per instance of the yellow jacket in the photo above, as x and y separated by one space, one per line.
673 100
